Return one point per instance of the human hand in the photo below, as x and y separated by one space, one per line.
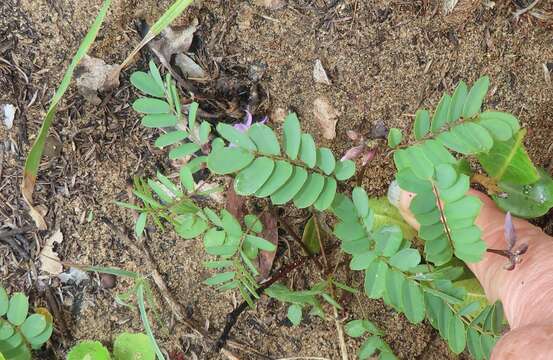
525 292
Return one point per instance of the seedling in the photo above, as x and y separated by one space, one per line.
20 332
127 346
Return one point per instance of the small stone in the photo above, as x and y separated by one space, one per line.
108 281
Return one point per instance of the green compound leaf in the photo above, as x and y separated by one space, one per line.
264 139
291 187
170 138
33 325
228 160
325 160
250 179
457 102
527 201
327 196
475 97
18 309
508 161
291 136
308 151
422 124
375 279
310 191
236 137
147 84
344 170
129 346
295 314
394 137
90 350
151 106
440 117
280 175
405 259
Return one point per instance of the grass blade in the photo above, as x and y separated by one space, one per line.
170 14
145 321
33 159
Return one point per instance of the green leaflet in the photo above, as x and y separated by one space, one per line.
310 191
151 106
308 151
508 161
291 136
311 238
228 160
405 259
476 96
440 117
250 179
467 139
456 335
264 139
457 102
394 137
344 169
18 308
413 302
327 195
527 201
325 160
234 136
291 187
422 124
147 84
280 175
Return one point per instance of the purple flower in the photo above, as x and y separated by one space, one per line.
248 121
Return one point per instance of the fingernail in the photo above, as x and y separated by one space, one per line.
394 194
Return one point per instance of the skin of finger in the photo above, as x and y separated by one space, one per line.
528 342
525 291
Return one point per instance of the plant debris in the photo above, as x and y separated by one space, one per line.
49 260
9 115
93 75
271 4
319 73
73 275
188 67
326 117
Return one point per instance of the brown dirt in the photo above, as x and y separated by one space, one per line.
385 59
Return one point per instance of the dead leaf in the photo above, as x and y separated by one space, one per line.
189 67
319 73
49 260
449 5
174 41
74 275
546 74
93 75
278 115
312 237
326 116
271 4
270 233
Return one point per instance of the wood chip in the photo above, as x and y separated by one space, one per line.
326 116
319 73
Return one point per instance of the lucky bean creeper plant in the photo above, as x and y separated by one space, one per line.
430 285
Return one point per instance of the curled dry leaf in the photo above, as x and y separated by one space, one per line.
173 41
271 4
326 117
319 73
188 67
93 75
49 260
